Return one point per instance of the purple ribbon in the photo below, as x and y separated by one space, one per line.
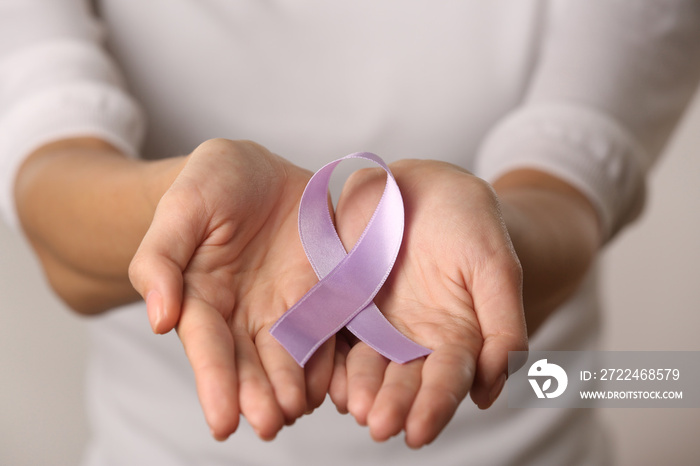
348 281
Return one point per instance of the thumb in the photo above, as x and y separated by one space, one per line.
156 270
499 308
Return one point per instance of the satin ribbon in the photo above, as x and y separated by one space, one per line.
348 282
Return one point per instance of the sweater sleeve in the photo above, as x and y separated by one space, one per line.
611 82
56 81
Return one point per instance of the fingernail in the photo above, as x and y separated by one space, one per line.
218 438
264 438
154 308
496 389
342 411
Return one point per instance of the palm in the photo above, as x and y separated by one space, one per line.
249 255
454 288
225 233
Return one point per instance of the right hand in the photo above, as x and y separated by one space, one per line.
221 262
455 288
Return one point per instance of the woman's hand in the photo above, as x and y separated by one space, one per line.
221 262
455 288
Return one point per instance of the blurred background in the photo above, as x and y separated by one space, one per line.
651 290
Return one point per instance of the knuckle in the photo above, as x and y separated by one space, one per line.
211 145
509 268
135 270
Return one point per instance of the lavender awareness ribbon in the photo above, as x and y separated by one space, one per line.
348 281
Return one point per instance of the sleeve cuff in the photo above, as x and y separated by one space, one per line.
69 110
587 149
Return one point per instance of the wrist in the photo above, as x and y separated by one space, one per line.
153 178
556 234
85 207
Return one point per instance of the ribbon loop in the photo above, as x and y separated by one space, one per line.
348 281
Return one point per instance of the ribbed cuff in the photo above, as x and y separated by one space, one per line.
75 109
589 150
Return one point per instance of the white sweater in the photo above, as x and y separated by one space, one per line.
587 90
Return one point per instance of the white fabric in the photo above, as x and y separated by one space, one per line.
610 81
56 82
587 90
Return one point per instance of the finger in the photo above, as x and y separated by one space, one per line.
285 375
447 374
338 389
394 400
209 346
318 371
499 308
365 372
166 249
256 395
159 281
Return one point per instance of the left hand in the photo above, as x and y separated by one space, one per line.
455 288
221 262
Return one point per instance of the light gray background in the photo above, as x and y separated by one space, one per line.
652 291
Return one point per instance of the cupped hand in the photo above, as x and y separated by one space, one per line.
455 288
221 262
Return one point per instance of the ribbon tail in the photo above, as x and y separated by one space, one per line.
325 309
373 328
